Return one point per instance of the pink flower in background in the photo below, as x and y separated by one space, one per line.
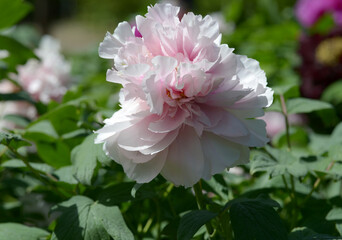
309 11
275 122
48 78
22 108
188 103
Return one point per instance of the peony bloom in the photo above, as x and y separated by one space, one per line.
48 78
188 103
309 11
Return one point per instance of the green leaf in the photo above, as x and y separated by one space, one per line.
122 192
56 154
332 93
13 140
336 135
254 219
135 188
15 231
324 25
191 222
289 90
84 219
84 158
18 120
18 54
305 105
18 96
304 233
12 11
66 174
17 163
277 162
335 214
42 131
319 144
339 228
116 194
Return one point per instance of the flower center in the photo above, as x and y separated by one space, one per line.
329 52
175 95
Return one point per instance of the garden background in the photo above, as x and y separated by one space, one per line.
55 183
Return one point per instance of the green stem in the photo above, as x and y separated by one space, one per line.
288 140
284 111
286 185
229 231
293 189
39 173
201 204
317 182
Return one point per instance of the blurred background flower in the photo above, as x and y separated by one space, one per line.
321 61
49 77
309 12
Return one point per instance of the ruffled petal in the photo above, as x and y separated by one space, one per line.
145 172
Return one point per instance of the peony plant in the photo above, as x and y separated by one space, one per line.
178 110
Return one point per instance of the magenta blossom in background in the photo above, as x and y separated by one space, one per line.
309 11
48 78
188 102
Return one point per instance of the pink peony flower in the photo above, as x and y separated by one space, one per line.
48 78
188 103
309 11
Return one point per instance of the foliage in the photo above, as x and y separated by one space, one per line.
57 184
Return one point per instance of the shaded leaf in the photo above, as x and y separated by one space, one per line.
288 90
18 54
335 214
56 154
333 93
277 162
18 120
41 131
15 231
305 105
191 222
17 163
84 158
116 194
66 174
13 140
12 11
18 96
84 219
262 220
307 234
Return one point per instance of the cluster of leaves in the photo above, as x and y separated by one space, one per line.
57 184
